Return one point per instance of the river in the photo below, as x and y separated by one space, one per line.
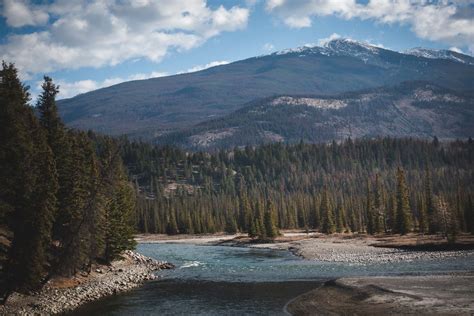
217 280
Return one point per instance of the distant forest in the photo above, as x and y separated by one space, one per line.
373 186
70 198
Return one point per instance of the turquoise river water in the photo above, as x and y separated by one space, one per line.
216 280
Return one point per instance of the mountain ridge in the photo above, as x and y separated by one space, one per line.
153 107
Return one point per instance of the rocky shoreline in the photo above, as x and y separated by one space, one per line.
362 251
355 250
61 295
397 295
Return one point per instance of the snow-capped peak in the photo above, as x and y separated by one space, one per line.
369 53
440 54
347 45
335 47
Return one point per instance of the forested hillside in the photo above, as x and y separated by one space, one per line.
380 185
410 109
65 201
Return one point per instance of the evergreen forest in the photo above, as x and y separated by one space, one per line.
71 198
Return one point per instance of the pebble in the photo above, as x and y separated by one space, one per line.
56 301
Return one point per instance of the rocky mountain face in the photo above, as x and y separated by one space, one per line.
155 107
410 109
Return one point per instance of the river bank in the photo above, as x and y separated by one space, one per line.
60 295
341 248
406 295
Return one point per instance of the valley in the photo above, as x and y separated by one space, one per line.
244 157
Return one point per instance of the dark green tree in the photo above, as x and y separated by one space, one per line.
329 225
271 231
433 221
28 186
404 223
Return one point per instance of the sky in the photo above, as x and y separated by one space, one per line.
85 45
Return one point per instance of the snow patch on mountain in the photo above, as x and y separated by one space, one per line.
368 52
440 54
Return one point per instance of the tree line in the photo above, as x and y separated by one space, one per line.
384 185
65 199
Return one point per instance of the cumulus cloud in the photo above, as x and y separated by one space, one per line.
446 21
68 89
324 41
98 33
19 13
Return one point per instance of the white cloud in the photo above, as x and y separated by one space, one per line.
19 13
457 50
324 41
69 89
98 33
208 65
268 47
450 22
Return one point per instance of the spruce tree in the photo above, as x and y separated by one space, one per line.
271 230
340 227
231 225
329 225
422 217
172 226
27 188
120 211
370 211
253 232
404 223
378 213
433 225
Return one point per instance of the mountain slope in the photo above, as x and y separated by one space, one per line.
441 54
149 108
411 109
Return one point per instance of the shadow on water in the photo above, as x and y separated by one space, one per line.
174 297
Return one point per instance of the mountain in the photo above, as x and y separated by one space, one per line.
410 109
150 108
441 54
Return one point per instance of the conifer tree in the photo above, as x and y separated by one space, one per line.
271 230
340 227
253 232
120 211
370 212
27 199
329 225
422 217
172 226
316 214
231 225
49 116
403 224
378 214
433 225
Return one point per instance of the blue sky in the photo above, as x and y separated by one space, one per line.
85 45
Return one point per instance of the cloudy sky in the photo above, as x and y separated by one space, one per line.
85 45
